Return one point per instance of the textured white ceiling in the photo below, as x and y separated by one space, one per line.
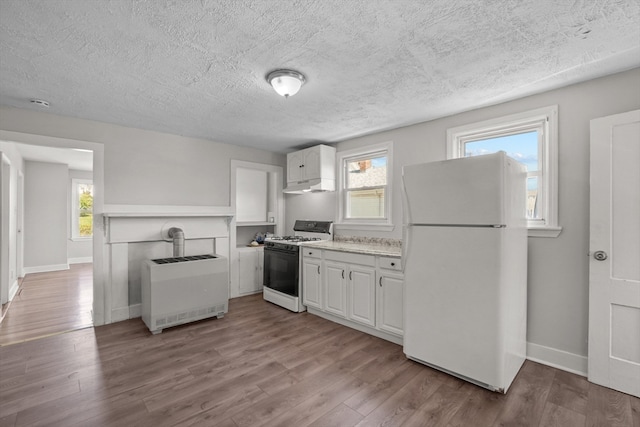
197 68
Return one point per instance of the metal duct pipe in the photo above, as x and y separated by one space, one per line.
178 241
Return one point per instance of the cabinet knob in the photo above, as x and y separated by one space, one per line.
393 264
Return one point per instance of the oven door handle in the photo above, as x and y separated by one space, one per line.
281 251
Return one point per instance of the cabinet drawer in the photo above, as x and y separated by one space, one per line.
311 253
390 263
350 258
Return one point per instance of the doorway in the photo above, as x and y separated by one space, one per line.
76 282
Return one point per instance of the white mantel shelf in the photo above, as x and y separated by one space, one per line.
158 211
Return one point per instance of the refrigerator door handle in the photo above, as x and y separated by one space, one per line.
405 246
405 221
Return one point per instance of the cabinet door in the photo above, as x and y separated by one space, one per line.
335 287
311 283
248 265
391 303
362 295
260 269
312 163
295 168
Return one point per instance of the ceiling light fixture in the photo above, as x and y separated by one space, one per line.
286 82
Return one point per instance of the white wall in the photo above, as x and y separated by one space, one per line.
45 216
558 267
77 250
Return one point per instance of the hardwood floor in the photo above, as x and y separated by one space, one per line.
49 303
262 365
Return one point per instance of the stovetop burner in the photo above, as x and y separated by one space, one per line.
294 238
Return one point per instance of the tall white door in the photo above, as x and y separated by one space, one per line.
5 209
614 267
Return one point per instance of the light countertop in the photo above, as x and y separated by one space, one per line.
359 247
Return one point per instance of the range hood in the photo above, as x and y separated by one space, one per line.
317 185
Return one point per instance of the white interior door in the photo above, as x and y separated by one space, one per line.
614 272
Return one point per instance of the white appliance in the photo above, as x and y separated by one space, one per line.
184 289
465 261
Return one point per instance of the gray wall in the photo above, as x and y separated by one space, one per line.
558 267
45 214
143 167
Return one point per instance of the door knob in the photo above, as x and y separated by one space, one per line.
600 255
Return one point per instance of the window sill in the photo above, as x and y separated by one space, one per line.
363 226
81 239
544 231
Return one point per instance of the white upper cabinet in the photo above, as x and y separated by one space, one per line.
295 166
251 195
315 166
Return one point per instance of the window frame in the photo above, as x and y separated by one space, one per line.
545 121
75 209
368 152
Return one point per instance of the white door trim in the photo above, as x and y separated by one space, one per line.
614 273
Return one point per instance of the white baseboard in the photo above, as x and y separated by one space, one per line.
13 290
135 311
45 268
119 314
555 358
126 313
81 260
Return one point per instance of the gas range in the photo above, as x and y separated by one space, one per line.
294 239
289 241
281 263
305 231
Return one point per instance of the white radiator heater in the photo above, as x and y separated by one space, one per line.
179 290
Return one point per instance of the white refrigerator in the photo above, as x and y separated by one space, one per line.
465 267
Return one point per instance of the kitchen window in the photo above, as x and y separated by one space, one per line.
364 183
532 139
81 209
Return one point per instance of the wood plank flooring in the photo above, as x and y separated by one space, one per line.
262 365
49 303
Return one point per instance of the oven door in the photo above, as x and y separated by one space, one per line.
281 270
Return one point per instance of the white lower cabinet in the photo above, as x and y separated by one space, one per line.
362 291
390 302
362 294
335 288
251 268
311 279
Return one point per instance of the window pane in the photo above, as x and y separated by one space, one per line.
365 203
533 204
85 210
522 146
367 172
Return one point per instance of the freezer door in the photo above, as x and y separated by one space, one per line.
466 191
462 312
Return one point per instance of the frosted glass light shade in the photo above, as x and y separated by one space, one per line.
286 82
